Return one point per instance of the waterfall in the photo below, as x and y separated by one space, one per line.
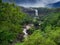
36 12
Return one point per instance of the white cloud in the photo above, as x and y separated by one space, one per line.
39 3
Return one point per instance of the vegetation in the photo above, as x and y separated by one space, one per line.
0 1
12 20
48 34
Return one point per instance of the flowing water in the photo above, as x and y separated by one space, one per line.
36 12
27 27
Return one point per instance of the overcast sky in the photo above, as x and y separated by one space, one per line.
34 3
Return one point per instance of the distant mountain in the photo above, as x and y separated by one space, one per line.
55 5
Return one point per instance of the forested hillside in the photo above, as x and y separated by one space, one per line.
11 22
48 34
45 30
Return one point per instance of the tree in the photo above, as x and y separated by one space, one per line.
37 38
0 1
50 34
11 18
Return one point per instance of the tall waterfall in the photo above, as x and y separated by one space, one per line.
36 12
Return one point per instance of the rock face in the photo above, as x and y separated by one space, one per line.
41 11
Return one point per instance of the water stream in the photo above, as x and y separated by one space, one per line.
27 27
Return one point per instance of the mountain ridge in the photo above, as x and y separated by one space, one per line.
55 5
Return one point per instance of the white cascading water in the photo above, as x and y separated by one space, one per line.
36 12
25 30
25 33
